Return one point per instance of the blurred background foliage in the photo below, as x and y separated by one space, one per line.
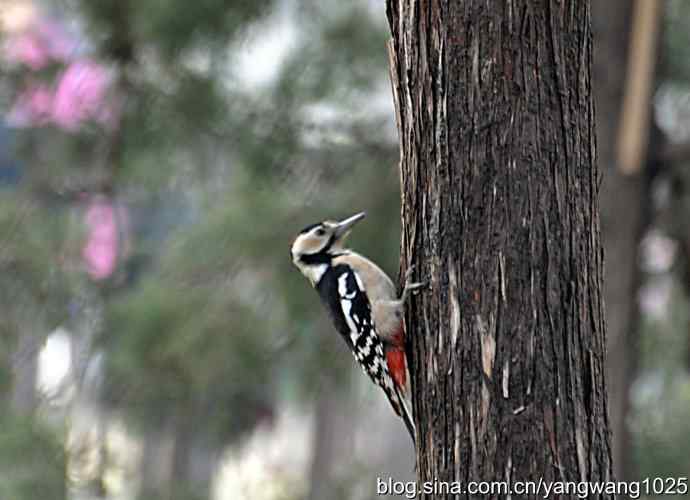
156 159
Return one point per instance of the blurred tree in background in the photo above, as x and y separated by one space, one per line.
156 205
156 158
659 418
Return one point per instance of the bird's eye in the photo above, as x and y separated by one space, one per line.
320 232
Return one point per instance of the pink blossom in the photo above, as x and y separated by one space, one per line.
27 48
33 107
42 42
101 250
81 94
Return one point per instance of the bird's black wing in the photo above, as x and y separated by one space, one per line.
346 299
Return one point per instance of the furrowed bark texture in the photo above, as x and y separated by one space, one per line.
500 214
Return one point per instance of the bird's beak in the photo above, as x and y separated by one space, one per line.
344 226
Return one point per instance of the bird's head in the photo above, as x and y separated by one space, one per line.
317 244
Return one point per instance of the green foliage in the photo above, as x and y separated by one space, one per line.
31 261
173 350
342 57
32 461
675 42
170 27
6 343
663 423
661 399
219 328
277 180
210 322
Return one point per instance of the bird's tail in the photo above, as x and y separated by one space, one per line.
406 415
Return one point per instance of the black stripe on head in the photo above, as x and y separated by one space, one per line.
322 256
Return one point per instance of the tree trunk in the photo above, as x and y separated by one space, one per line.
194 458
500 215
324 446
156 462
182 450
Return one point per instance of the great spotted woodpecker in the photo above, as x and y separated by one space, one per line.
362 302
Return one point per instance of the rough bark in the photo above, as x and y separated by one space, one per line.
500 215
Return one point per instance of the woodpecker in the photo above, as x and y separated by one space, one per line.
362 302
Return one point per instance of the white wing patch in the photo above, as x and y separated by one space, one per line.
362 333
342 287
366 345
346 305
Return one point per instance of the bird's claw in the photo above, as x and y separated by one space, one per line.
409 285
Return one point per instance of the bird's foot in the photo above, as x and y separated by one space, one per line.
411 286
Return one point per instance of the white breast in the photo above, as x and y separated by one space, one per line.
313 273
